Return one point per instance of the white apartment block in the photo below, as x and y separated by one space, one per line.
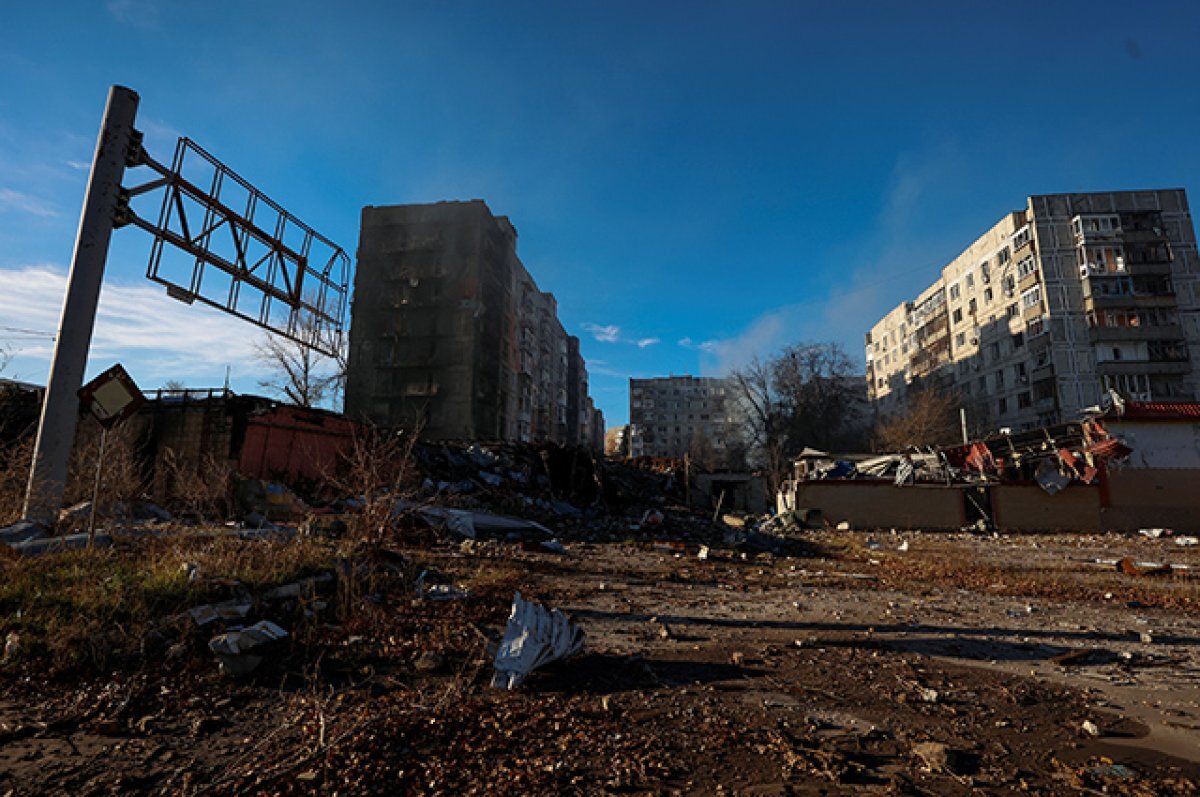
1055 305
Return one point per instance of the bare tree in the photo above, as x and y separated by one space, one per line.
300 373
763 420
804 396
929 417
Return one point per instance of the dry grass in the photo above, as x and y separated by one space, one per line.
93 610
1023 576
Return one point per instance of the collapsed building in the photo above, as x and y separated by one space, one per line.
450 334
1126 465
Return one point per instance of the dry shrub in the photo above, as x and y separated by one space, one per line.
14 476
121 481
378 468
201 490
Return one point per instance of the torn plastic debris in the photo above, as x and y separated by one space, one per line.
235 649
533 637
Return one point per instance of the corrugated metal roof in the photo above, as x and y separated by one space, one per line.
1160 411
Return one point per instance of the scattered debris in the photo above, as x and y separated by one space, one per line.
241 652
936 757
226 612
1090 728
533 637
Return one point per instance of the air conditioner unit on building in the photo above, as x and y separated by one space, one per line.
1085 270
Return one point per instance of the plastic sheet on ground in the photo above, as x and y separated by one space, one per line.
534 637
467 522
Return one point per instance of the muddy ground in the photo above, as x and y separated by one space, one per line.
864 663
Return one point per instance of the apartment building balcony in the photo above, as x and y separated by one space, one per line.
1042 373
1150 267
1152 235
1119 333
1147 367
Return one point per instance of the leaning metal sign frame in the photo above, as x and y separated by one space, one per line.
272 269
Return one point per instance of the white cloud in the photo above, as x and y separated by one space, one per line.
706 345
24 203
605 334
156 337
79 166
644 342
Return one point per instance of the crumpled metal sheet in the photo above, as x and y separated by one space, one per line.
535 636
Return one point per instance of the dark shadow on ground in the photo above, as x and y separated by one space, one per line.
603 674
987 632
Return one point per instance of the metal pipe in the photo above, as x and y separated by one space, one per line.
60 410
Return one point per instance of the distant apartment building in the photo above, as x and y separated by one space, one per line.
1055 305
449 333
673 415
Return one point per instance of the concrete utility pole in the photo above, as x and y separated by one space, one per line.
60 410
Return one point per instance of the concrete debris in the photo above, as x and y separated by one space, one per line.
225 612
429 661
1187 541
1090 728
444 592
936 757
533 637
1154 534
41 545
1112 771
304 588
23 531
241 652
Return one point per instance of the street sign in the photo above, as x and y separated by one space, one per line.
112 396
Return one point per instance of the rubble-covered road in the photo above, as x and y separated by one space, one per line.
891 664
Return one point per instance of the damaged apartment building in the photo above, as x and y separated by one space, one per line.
670 416
1056 305
450 334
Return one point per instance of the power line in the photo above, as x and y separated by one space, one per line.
25 333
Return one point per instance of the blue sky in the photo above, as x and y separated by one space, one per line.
708 180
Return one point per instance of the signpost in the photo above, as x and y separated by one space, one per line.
111 397
245 255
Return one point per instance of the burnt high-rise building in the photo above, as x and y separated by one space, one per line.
450 333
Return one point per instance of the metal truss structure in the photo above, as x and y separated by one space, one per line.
221 241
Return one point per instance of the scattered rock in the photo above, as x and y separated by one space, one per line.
936 757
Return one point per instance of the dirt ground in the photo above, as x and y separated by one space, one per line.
867 663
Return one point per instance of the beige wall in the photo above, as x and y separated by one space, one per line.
1138 498
1027 507
1148 498
882 504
